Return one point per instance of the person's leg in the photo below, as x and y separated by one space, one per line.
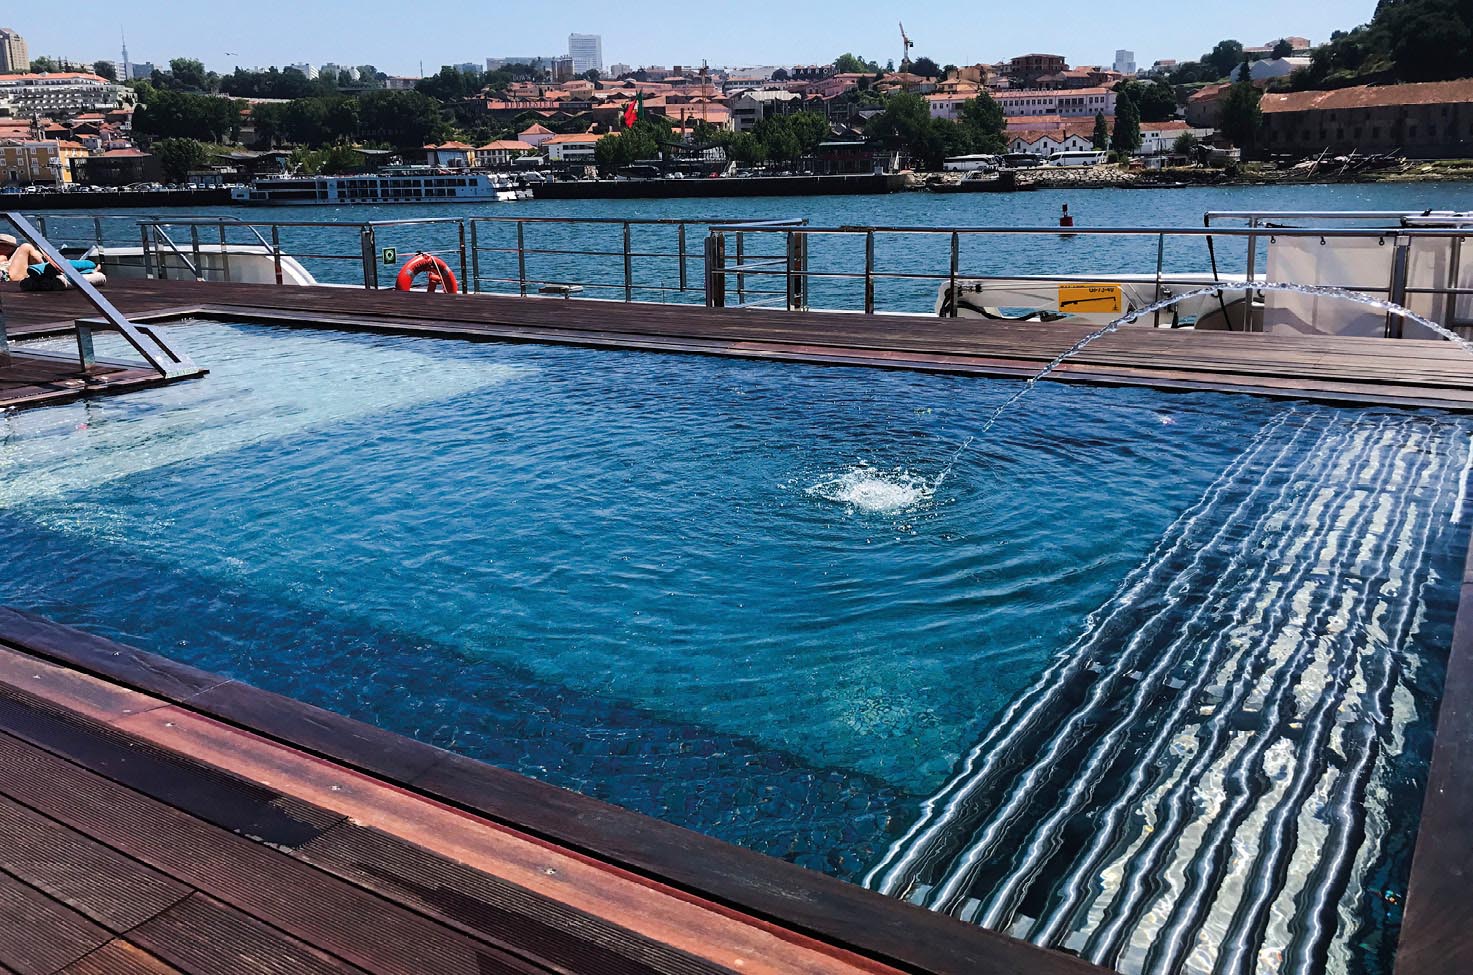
24 257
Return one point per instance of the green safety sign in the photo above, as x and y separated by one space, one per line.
391 255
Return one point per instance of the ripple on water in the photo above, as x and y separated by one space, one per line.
875 491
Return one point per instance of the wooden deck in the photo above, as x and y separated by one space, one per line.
155 818
1331 369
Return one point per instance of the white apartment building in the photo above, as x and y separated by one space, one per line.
587 52
1079 103
1125 61
58 94
310 70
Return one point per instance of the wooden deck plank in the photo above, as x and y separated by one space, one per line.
96 881
203 935
38 934
120 957
285 893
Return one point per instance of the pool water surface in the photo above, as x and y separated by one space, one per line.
740 597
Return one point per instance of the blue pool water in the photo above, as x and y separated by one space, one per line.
732 595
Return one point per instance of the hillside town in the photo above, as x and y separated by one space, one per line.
1365 101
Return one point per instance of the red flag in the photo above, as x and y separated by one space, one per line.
631 114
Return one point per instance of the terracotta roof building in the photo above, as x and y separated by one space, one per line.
1430 120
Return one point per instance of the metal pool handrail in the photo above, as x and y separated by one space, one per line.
170 362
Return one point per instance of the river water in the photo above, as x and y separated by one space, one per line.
495 265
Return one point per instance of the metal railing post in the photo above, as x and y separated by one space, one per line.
464 274
802 272
1252 270
224 252
97 233
4 339
869 272
1397 292
628 266
199 269
956 260
715 267
680 237
147 253
1454 273
791 266
475 256
368 254
163 260
522 257
276 251
741 259
1160 266
86 355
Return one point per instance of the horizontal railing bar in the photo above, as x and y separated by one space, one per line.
1260 232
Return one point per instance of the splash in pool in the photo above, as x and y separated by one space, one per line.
874 491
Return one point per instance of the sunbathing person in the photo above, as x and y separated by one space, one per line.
25 263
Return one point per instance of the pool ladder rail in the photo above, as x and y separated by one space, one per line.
170 362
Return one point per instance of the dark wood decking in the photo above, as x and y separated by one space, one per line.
1351 370
156 818
31 380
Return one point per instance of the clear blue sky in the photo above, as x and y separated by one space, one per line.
397 36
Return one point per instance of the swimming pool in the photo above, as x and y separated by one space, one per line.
1056 691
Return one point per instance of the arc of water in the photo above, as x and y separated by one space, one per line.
893 869
1213 291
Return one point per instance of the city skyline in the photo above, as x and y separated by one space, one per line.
763 32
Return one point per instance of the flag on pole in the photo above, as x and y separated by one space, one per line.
631 114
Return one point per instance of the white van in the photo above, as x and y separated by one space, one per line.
1086 157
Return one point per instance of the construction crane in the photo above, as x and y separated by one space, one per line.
907 44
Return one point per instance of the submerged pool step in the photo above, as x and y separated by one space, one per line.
1185 788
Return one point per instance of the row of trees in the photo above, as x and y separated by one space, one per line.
907 122
392 118
1406 40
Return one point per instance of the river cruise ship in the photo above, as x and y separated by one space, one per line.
417 185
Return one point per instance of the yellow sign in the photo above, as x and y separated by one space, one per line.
1091 299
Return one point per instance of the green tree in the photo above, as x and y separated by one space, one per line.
401 118
925 67
38 65
1283 49
189 74
1101 137
853 64
179 157
1185 144
640 141
1241 117
163 113
592 74
1126 138
1224 57
743 147
983 124
1154 100
105 69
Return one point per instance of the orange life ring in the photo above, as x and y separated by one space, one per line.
439 273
